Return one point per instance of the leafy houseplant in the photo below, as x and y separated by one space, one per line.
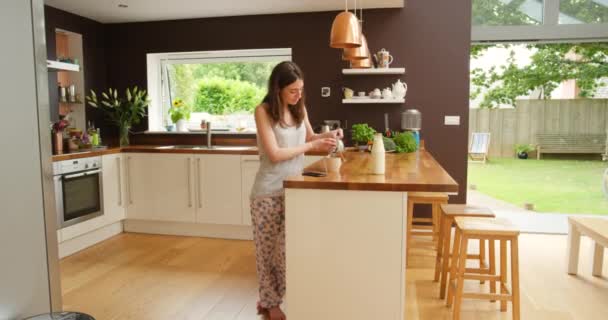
362 134
124 112
178 112
523 149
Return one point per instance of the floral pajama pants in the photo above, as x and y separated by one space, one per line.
268 219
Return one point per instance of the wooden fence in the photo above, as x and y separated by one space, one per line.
520 125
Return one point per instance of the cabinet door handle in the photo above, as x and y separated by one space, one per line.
198 182
129 180
119 182
189 188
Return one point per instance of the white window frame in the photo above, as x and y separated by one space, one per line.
157 73
549 31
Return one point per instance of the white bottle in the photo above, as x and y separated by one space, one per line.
378 157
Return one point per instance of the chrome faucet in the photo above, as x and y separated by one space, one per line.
208 135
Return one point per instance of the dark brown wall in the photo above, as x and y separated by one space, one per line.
429 38
94 67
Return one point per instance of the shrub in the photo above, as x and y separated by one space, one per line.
519 148
225 96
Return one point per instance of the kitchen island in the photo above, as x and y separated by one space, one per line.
345 235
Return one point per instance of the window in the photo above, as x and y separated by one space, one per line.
222 87
583 11
507 12
539 20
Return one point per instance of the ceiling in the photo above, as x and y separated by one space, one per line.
108 11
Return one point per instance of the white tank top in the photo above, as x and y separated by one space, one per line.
270 176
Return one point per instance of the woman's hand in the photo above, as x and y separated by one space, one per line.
338 133
324 144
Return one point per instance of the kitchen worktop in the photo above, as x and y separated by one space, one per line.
416 171
224 149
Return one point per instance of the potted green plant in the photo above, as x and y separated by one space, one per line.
180 114
362 135
124 112
523 149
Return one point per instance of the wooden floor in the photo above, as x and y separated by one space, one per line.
152 277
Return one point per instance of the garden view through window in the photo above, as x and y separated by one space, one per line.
224 93
220 87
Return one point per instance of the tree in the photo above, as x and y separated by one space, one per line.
587 63
499 13
584 10
512 12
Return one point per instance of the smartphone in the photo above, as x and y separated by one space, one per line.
314 174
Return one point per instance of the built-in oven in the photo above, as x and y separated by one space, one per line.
78 190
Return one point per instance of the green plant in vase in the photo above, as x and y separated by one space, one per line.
122 111
362 134
179 113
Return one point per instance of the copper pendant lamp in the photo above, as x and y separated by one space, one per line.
363 51
361 64
345 31
357 53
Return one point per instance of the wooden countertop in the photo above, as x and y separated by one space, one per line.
84 154
238 150
417 171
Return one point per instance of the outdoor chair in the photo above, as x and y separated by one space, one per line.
479 146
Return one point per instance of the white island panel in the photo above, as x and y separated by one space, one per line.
345 254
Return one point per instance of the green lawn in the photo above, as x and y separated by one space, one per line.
564 186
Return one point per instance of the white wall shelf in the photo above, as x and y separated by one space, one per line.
374 71
62 66
371 101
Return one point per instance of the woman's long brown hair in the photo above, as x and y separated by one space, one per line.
284 74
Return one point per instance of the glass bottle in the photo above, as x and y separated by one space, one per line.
378 155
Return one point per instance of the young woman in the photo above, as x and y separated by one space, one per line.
284 134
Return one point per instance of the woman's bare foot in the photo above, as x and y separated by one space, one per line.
275 313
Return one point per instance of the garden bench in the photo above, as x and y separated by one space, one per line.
594 228
570 143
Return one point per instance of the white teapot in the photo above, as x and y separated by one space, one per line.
399 89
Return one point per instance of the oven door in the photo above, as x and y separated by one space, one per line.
81 197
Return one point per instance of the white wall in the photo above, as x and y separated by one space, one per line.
24 280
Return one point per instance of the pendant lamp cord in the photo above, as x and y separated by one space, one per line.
361 10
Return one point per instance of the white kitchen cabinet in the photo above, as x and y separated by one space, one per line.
160 187
218 185
113 187
249 168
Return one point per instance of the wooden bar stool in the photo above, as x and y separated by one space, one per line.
435 199
484 229
447 214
